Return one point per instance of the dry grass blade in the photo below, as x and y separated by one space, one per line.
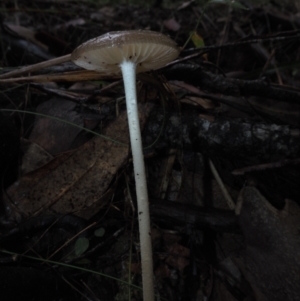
36 67
81 75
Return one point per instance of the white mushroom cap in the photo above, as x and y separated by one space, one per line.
149 50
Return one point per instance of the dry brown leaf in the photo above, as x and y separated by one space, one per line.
185 4
75 185
34 156
271 258
162 271
55 136
178 256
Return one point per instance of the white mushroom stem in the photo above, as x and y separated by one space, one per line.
133 51
129 77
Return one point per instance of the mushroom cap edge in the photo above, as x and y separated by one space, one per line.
150 50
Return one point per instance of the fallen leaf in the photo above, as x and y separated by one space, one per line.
77 184
271 258
172 24
162 271
178 256
197 39
185 4
81 245
52 135
34 156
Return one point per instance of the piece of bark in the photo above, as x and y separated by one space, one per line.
239 137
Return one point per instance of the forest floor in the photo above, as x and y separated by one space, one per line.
221 132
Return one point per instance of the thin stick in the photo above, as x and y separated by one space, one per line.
225 193
36 67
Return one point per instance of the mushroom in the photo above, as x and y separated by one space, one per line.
128 53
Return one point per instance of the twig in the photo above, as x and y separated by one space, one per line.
225 193
36 67
265 166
